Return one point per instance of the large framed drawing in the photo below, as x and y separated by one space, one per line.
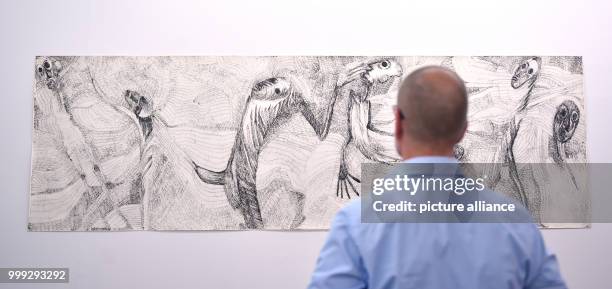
227 143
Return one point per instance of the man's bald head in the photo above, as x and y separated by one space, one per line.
433 104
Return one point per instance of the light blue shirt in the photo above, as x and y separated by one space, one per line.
433 255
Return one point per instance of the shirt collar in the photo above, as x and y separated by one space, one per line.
431 159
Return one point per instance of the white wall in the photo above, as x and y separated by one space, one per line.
271 259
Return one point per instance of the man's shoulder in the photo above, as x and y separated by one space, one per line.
353 207
351 212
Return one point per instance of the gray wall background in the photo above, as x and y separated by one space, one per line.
265 27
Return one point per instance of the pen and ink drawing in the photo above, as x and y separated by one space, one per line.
226 143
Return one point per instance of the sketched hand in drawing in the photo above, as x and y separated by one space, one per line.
359 83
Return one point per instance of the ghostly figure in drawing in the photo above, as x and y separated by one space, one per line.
564 125
54 104
525 76
544 119
361 83
270 101
543 130
66 101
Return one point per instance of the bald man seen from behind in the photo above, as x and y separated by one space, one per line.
430 118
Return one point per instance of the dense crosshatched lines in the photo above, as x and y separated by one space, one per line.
226 143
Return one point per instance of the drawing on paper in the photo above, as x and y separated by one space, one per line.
226 143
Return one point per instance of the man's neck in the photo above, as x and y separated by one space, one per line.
432 160
427 152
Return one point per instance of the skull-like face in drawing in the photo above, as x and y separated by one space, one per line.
527 72
272 88
47 72
383 70
138 104
566 121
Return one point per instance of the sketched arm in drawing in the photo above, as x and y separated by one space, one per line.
358 83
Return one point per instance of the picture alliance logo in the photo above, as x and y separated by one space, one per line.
434 207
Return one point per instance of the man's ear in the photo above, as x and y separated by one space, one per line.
399 130
462 133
